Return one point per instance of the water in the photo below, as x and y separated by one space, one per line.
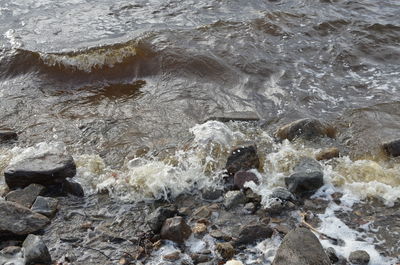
108 78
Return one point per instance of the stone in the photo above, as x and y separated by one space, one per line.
45 169
35 251
233 198
392 148
219 235
45 205
234 262
282 193
251 233
241 177
7 135
200 258
175 229
243 158
156 219
19 220
210 194
73 188
359 257
199 229
173 256
301 247
201 212
332 254
327 154
303 128
235 116
226 250
11 255
26 196
249 207
184 211
251 196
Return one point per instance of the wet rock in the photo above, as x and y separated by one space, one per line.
73 188
332 255
19 220
26 196
35 251
226 250
184 211
282 193
211 194
235 116
175 229
392 148
199 229
234 262
7 135
45 205
233 199
45 169
301 247
304 128
200 258
249 207
243 158
316 205
219 235
249 234
359 257
11 255
172 256
241 177
201 212
251 196
156 219
327 154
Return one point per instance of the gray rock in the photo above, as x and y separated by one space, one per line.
73 188
249 234
243 158
45 205
304 128
332 255
19 220
46 169
226 250
175 229
35 251
210 194
241 177
359 257
234 198
27 195
249 207
11 256
392 148
307 164
328 153
301 247
219 235
201 212
156 219
282 194
7 135
235 116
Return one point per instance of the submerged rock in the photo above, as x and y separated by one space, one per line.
175 229
46 169
327 154
27 195
392 148
241 177
301 247
45 205
156 219
226 250
249 234
243 158
7 135
359 257
35 251
233 199
19 220
304 128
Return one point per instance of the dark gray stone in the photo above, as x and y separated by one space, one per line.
359 257
235 116
35 251
19 220
304 128
282 194
233 198
175 229
156 219
27 195
73 188
45 205
243 158
301 247
332 255
7 135
46 169
392 148
211 194
249 234
241 177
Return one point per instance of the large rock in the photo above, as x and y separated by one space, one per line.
251 233
241 177
46 169
392 148
301 247
243 158
156 219
19 220
7 135
35 251
27 195
304 128
175 229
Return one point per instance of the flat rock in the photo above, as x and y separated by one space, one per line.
301 247
35 251
241 177
27 195
243 158
359 257
45 205
233 198
392 148
303 128
175 229
46 169
19 220
249 234
7 135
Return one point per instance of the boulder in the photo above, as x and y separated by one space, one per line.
251 233
45 205
327 154
359 257
175 229
301 247
234 198
7 135
241 177
304 128
35 251
243 158
27 195
19 220
45 169
392 148
226 250
156 219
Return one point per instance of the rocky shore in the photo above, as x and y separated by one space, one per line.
47 219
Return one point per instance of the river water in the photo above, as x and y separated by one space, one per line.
107 78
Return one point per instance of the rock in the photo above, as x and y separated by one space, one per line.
235 116
11 255
392 148
243 158
233 199
46 169
241 177
249 234
73 188
251 196
301 247
7 135
19 220
219 235
359 257
211 194
172 256
199 258
282 193
201 212
226 250
156 219
234 262
307 164
332 254
184 211
26 196
249 207
199 229
175 229
304 128
327 154
45 205
35 251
